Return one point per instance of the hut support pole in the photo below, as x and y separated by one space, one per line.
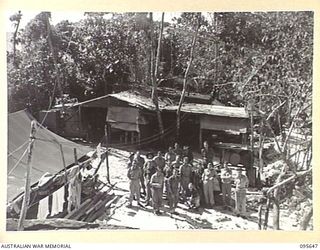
107 159
107 165
63 161
26 198
252 134
200 138
75 156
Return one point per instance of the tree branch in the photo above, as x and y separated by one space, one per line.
291 178
275 109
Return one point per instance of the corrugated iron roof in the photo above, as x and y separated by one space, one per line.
191 97
136 100
132 98
238 112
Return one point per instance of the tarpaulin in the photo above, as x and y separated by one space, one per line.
125 114
223 123
46 154
125 126
125 118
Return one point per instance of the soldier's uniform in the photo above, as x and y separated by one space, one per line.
134 174
156 183
241 183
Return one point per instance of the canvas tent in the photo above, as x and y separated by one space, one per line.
46 156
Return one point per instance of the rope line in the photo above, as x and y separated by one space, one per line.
18 148
20 159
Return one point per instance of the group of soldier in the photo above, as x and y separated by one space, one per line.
175 177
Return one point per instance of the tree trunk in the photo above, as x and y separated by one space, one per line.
276 201
252 132
154 73
266 216
306 219
276 214
260 217
55 62
261 141
186 76
15 41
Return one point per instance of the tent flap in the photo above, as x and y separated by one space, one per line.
46 154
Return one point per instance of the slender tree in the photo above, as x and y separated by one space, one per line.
154 70
186 74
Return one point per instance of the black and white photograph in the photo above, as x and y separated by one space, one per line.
159 120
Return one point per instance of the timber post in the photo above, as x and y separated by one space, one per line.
107 165
63 162
26 198
266 217
75 156
107 158
252 132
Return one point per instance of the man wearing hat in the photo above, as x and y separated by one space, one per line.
241 183
149 169
185 174
134 173
140 161
156 184
226 178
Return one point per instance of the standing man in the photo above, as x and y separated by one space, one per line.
173 191
160 161
149 169
170 156
177 163
207 152
167 171
134 173
226 178
207 178
156 183
185 173
241 183
177 150
140 161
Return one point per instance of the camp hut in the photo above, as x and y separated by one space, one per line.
213 123
84 120
131 119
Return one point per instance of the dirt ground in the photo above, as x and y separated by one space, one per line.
144 219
